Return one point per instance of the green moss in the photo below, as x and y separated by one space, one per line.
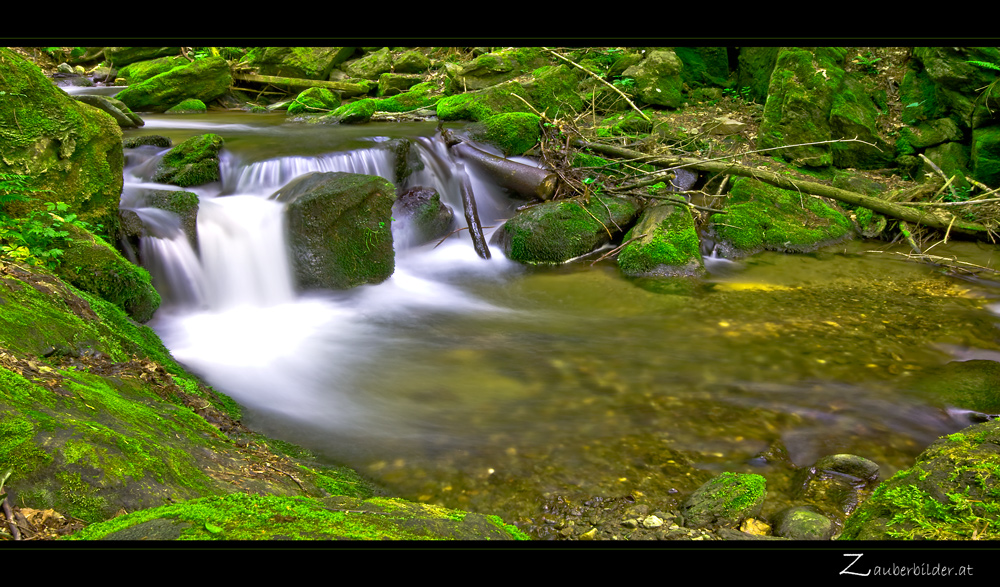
514 133
188 106
193 162
422 95
671 245
759 216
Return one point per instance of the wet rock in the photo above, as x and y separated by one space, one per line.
116 108
203 79
339 229
726 500
420 216
666 244
803 523
658 79
193 162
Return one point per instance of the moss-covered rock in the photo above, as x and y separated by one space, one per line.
202 79
392 84
190 106
72 151
759 216
557 231
483 104
420 216
371 66
704 66
514 133
853 115
725 501
985 160
300 62
193 162
116 108
952 492
141 71
94 266
183 204
411 62
242 516
122 56
422 95
666 244
315 100
491 69
754 67
339 229
658 79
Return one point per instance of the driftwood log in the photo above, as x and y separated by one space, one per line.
925 216
526 180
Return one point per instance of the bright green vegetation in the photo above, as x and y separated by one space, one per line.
193 162
951 493
759 217
670 245
514 133
188 106
728 498
422 95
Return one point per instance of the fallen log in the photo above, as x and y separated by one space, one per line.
346 88
526 180
920 215
472 214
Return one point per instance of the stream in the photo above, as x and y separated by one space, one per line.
494 387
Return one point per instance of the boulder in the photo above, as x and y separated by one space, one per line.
141 71
190 106
193 162
763 217
339 229
300 62
725 501
411 62
116 108
371 66
420 216
658 79
514 133
670 246
71 150
314 100
204 79
557 231
121 56
952 492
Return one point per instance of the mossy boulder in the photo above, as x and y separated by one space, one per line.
242 516
193 162
942 82
339 229
314 100
370 66
491 69
725 501
763 217
514 133
483 104
952 492
190 106
71 150
122 56
203 79
94 266
141 71
666 244
658 79
411 62
183 204
557 231
985 160
392 84
853 114
799 100
704 66
753 70
300 62
422 95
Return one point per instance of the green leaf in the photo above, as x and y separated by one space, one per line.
212 528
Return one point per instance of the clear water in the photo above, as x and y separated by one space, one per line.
494 387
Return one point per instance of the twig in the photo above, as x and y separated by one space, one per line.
598 78
615 250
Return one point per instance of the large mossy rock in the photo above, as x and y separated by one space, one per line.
300 62
658 79
370 66
339 229
763 217
490 69
483 104
116 108
514 133
193 162
952 492
122 56
941 82
242 516
203 79
423 95
806 88
420 216
72 151
557 231
94 266
666 244
314 100
725 501
141 71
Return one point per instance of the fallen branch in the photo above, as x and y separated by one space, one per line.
472 215
940 220
347 88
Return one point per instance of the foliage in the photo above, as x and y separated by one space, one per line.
867 63
38 239
744 94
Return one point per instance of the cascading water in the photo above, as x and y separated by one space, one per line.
490 386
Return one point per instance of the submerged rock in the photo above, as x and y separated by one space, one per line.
421 216
339 229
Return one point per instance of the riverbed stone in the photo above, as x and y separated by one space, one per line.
339 229
803 523
666 244
950 493
726 500
557 231
116 108
193 162
300 62
420 216
763 217
658 79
